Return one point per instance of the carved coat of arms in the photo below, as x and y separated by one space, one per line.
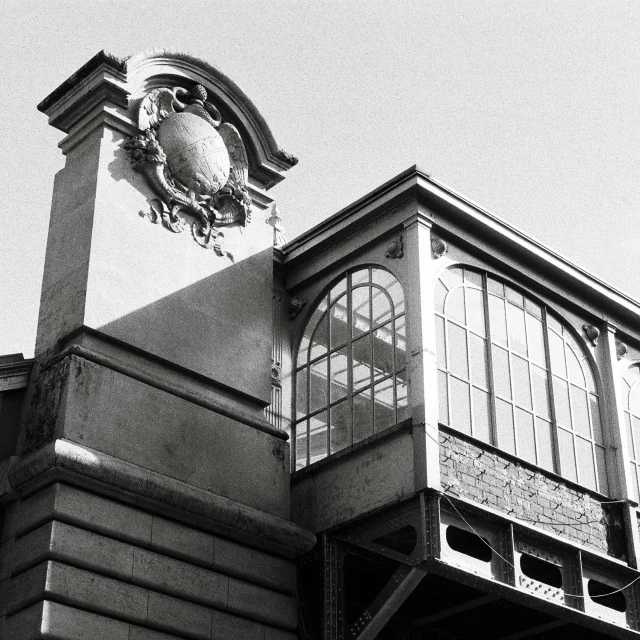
196 164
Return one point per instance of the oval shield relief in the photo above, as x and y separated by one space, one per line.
195 152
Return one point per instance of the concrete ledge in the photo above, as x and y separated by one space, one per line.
85 550
30 524
54 621
68 462
106 596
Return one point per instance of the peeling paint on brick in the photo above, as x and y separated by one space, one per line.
469 471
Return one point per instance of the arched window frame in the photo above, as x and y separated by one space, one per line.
561 419
631 409
315 404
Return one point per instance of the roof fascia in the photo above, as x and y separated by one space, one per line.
439 198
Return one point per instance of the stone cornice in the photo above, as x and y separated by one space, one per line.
14 372
107 81
65 461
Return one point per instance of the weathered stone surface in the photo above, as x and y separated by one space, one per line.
180 579
181 541
374 476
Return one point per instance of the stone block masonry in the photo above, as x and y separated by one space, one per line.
486 476
73 561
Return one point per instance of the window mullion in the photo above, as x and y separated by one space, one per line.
552 401
493 427
350 359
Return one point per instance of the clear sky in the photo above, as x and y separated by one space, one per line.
530 108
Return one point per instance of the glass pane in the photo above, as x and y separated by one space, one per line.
318 385
360 311
554 324
634 400
320 340
301 393
340 433
401 396
533 308
636 435
478 361
362 416
458 359
501 375
556 350
495 287
545 444
630 439
397 297
514 296
440 343
361 351
401 343
454 308
383 351
504 418
303 351
384 413
381 307
338 289
461 407
382 277
566 455
475 311
481 413
360 276
580 412
318 445
535 340
575 370
338 365
473 277
452 277
517 333
586 465
443 398
521 382
540 392
526 438
497 320
440 294
601 470
561 397
338 327
301 445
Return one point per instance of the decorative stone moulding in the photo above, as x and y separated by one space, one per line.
296 305
395 248
621 349
194 162
201 144
592 333
279 238
438 247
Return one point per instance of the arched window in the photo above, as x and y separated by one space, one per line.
351 365
631 403
511 374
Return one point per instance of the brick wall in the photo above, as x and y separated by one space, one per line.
485 476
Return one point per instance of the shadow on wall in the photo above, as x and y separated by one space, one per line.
219 327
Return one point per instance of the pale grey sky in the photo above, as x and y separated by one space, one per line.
529 108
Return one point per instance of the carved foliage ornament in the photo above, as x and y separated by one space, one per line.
196 164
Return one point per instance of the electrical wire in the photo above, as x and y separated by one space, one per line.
571 595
